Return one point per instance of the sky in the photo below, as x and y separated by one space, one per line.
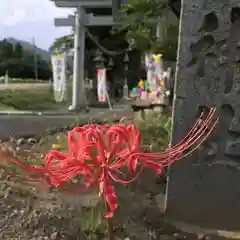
28 19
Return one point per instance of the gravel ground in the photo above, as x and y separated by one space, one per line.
25 215
34 213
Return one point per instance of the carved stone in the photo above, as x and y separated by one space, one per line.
201 191
233 148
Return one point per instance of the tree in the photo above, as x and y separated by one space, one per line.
96 37
138 20
64 41
175 6
6 49
19 62
18 50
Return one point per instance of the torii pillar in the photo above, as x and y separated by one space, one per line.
78 98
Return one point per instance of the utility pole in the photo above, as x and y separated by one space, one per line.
35 59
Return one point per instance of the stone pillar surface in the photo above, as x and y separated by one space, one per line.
204 189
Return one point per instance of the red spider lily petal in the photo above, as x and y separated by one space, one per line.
28 168
59 173
110 197
116 179
129 143
132 165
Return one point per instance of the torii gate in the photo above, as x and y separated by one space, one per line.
79 21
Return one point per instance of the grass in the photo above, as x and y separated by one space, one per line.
33 99
6 108
21 80
155 129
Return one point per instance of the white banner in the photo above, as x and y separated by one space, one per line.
101 83
59 76
153 63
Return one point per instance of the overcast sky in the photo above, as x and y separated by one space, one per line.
25 19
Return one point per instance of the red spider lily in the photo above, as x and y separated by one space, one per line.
98 154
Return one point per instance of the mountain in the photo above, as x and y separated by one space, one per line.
45 55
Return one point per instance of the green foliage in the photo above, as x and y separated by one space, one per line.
138 20
144 9
169 44
19 62
64 41
92 222
155 130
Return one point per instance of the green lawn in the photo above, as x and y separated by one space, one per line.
32 99
6 108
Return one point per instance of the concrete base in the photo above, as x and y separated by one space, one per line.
125 92
213 234
78 109
20 125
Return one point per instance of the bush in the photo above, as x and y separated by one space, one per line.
155 129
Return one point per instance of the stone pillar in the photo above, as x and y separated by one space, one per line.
78 98
204 189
